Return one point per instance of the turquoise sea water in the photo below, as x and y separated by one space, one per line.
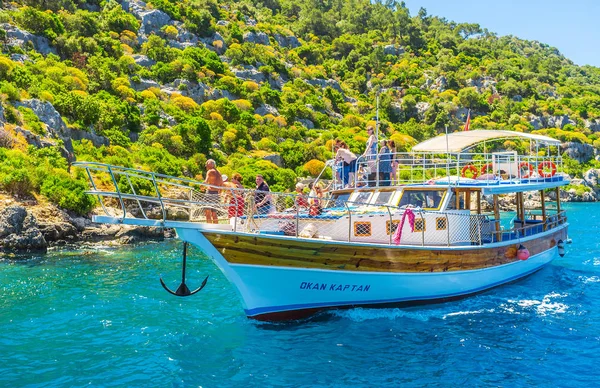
99 317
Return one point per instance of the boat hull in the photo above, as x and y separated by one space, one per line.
297 284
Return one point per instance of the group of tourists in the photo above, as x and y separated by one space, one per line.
235 198
380 166
383 168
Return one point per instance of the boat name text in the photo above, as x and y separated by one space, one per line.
334 287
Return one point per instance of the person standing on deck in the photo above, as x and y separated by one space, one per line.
370 155
385 164
371 150
262 196
214 179
349 159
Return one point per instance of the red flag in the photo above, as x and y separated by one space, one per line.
468 122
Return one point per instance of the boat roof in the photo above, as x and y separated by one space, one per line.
457 142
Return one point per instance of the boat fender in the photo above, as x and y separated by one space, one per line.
528 169
469 167
522 253
547 164
561 248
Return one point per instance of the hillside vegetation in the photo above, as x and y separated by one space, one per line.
261 85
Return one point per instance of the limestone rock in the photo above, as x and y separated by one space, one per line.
144 84
196 91
536 122
20 38
33 139
19 231
482 84
152 21
219 93
55 126
22 58
143 60
440 84
392 49
257 37
422 107
266 109
276 159
287 41
578 151
590 178
558 121
307 123
45 111
135 7
249 73
55 231
593 125
96 140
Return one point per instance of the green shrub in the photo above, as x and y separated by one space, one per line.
17 182
67 192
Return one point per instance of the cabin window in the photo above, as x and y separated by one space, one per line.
362 229
339 200
391 227
425 199
362 197
383 197
441 223
420 225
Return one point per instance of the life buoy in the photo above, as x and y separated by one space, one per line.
529 168
469 167
547 164
485 168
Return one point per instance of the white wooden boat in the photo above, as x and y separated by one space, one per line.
425 239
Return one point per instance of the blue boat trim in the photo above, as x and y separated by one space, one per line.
293 307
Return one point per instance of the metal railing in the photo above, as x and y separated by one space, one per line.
138 194
390 169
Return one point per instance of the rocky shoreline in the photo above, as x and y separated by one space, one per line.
34 228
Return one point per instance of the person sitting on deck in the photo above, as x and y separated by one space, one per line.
301 202
262 196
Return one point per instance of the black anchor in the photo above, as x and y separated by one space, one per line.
183 289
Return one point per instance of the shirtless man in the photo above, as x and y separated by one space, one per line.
213 178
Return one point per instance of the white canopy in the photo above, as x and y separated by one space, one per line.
460 141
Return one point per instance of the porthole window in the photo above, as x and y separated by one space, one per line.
391 227
441 223
362 229
420 225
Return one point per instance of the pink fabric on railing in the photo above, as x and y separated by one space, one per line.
411 221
